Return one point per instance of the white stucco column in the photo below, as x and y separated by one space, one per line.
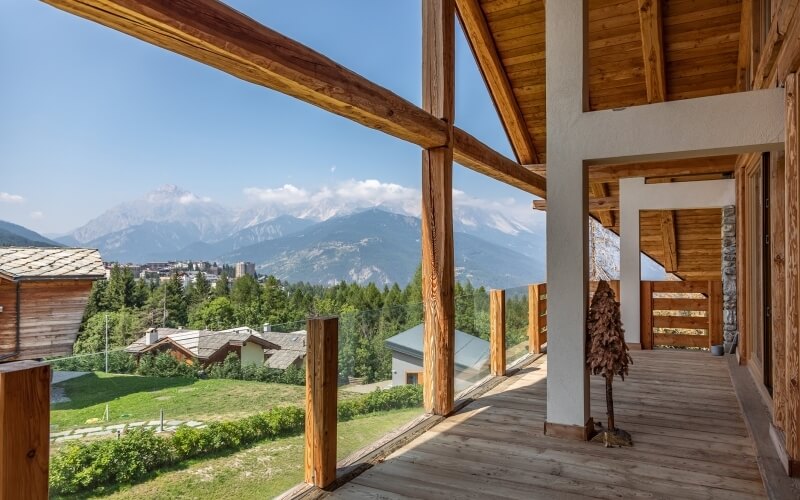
635 196
567 223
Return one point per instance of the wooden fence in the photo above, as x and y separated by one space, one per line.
681 313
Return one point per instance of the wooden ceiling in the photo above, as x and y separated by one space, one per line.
639 52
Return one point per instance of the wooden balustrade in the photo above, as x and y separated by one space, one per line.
322 360
672 313
497 334
537 317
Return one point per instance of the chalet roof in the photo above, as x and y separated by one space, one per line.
471 351
32 263
201 344
292 348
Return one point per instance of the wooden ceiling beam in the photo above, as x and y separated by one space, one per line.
600 190
494 74
608 203
653 50
668 241
473 154
655 169
215 34
743 60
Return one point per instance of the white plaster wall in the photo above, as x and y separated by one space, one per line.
634 196
252 354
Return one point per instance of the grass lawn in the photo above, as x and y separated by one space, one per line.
262 471
134 398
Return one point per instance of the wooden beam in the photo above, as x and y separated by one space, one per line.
24 430
537 319
652 50
655 169
322 358
497 332
600 190
609 203
215 34
669 241
792 220
494 74
778 290
473 154
714 312
438 260
743 60
646 314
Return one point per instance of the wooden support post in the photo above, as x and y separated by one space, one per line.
497 337
714 313
438 260
792 203
646 301
778 290
534 319
322 359
24 430
668 241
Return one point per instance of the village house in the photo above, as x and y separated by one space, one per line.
204 347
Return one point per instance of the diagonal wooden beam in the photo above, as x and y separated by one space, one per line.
669 242
653 50
215 34
745 32
600 190
491 67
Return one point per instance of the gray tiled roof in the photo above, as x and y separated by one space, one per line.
292 347
284 358
471 351
203 343
33 263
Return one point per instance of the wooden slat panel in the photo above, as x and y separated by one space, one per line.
681 340
680 287
689 322
680 304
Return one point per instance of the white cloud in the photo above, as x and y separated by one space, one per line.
189 198
38 214
285 195
333 168
10 198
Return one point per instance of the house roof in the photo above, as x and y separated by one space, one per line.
201 344
32 263
471 351
292 348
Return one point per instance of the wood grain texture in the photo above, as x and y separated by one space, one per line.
438 261
777 209
609 203
24 430
715 312
497 332
690 441
668 241
537 317
322 372
646 314
792 221
484 50
652 50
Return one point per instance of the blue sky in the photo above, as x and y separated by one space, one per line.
90 117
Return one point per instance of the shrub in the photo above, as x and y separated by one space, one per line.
80 467
164 365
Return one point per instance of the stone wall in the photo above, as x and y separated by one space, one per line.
729 327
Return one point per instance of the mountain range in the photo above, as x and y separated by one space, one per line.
365 231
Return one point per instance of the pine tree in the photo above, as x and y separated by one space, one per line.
607 353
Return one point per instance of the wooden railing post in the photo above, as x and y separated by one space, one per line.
646 301
714 312
534 319
322 359
497 337
24 430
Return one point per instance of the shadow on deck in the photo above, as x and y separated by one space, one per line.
690 441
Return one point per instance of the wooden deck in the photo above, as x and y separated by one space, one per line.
689 436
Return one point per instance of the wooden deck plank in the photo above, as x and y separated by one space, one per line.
690 441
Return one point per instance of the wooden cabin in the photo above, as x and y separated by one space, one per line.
43 295
671 122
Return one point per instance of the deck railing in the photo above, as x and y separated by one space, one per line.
681 313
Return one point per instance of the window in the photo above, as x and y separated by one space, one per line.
413 378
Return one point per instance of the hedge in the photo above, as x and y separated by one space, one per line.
83 466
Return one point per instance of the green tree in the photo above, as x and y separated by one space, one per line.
120 289
216 314
124 327
176 304
223 286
